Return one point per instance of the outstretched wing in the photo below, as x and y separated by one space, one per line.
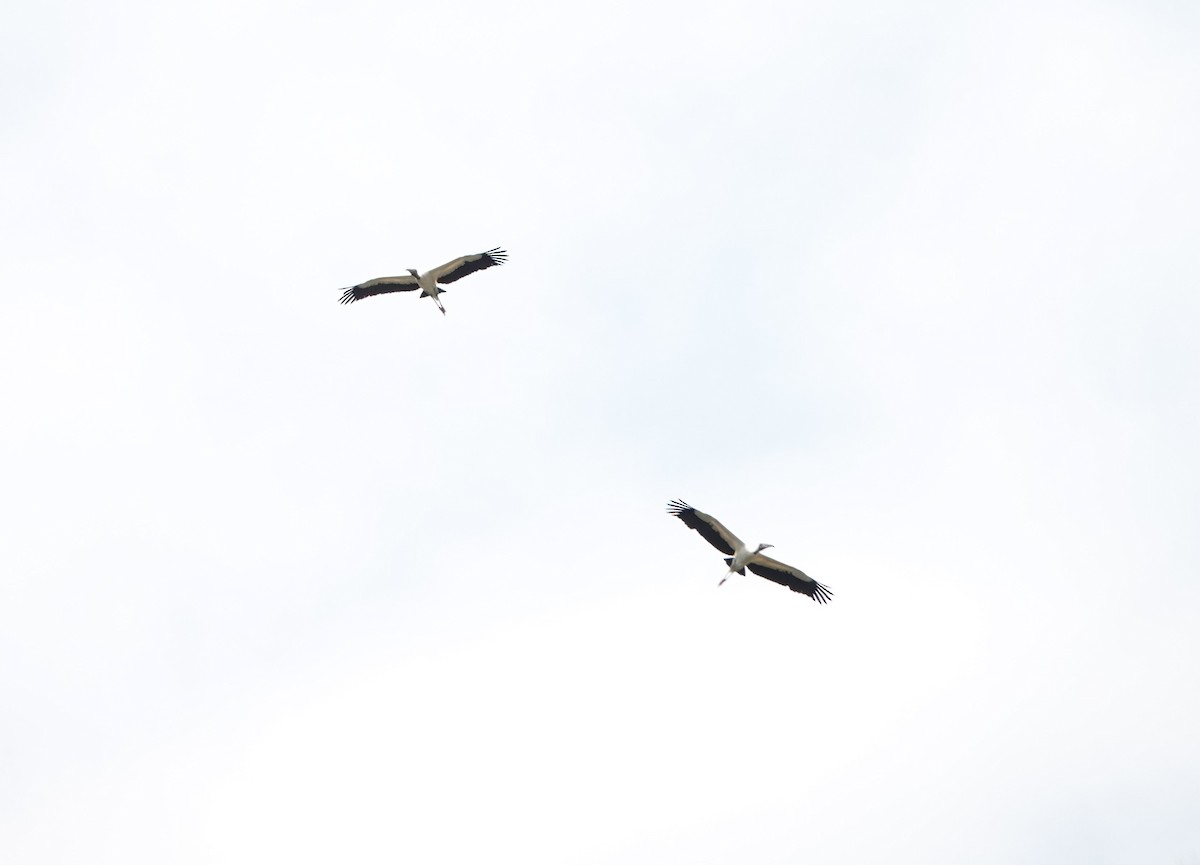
382 285
794 578
708 527
452 271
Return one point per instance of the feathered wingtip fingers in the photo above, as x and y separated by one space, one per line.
820 593
348 296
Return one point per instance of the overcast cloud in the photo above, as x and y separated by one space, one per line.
907 290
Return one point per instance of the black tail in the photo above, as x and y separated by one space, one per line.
729 562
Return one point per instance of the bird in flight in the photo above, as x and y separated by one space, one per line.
742 557
430 280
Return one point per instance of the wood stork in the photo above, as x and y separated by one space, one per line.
742 557
428 281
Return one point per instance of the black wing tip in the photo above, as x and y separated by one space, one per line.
677 507
348 296
820 594
497 255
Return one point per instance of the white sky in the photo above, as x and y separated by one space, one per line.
907 289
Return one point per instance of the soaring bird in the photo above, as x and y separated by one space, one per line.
428 281
742 557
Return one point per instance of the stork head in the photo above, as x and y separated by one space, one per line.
762 547
413 272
